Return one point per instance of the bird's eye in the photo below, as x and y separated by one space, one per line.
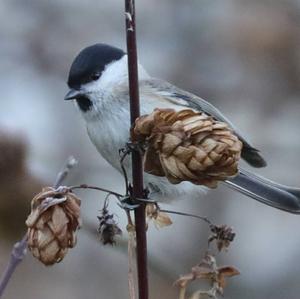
95 76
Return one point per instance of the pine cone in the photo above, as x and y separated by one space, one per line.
188 146
52 224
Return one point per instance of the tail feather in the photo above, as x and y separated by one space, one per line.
270 193
252 156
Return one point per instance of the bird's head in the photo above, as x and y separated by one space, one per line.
94 70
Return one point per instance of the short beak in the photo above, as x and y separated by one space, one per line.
73 94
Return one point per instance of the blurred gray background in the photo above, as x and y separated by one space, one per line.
244 56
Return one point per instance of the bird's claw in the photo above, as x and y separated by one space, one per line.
130 203
127 203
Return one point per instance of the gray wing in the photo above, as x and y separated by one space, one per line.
186 99
273 194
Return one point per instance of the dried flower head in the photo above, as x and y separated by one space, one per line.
223 235
108 228
52 224
188 146
159 218
209 270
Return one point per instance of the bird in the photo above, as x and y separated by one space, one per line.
98 83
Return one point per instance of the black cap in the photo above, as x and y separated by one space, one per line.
91 62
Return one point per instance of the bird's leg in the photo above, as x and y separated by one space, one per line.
139 146
123 153
128 202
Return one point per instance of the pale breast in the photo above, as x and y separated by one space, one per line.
110 133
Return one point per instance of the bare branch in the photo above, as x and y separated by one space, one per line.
137 163
71 162
17 254
85 186
205 219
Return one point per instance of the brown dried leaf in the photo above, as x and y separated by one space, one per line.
223 273
208 270
160 219
184 280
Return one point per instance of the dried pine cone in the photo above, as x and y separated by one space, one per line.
188 146
52 224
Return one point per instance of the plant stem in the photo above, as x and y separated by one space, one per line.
137 165
70 163
205 219
17 254
85 186
131 264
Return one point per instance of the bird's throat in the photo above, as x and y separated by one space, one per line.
84 103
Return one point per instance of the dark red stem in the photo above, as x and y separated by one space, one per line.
137 165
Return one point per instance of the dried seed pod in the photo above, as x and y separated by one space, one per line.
108 228
188 146
223 235
52 224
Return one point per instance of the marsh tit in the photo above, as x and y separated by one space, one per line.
98 82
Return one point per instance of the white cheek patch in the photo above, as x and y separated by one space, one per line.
91 87
106 89
114 74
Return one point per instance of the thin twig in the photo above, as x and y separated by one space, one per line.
85 186
205 219
17 254
137 163
19 249
71 162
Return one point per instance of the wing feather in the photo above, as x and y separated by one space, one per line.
183 98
